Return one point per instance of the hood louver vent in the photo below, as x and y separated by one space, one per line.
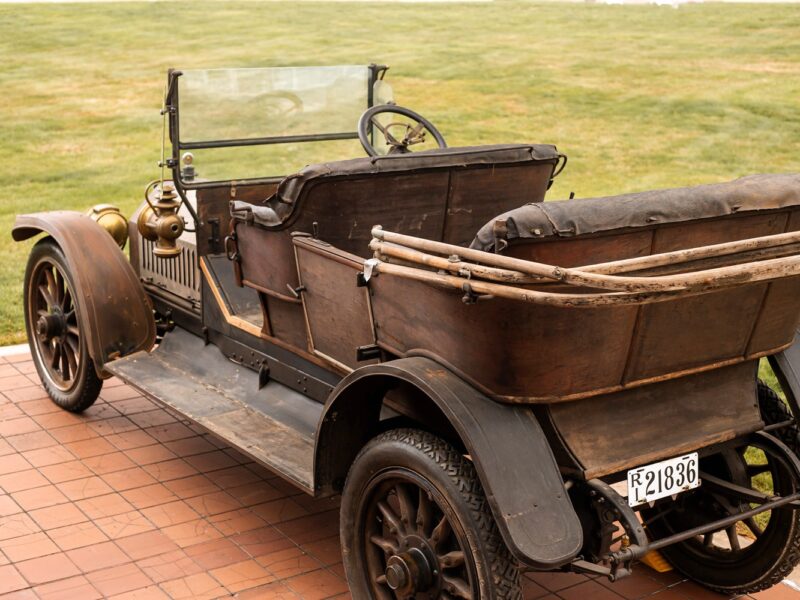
179 275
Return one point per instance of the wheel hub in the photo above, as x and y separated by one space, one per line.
409 572
412 548
51 326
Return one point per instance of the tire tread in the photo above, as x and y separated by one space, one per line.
88 389
462 474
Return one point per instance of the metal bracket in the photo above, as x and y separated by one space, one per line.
627 517
213 239
584 566
231 248
296 291
370 269
469 297
263 374
367 352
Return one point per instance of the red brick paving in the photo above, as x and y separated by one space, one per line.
128 502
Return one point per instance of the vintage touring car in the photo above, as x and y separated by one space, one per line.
492 383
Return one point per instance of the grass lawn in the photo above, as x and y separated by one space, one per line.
638 96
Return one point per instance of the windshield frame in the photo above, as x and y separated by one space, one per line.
172 110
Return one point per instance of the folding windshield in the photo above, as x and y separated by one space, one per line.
262 123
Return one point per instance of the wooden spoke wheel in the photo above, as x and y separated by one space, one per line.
415 524
54 331
752 554
410 545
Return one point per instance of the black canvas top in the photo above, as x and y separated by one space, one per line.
567 218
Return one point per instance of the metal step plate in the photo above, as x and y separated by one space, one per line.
275 425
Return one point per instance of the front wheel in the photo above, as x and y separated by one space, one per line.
57 341
415 524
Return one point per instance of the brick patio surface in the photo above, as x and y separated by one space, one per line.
129 501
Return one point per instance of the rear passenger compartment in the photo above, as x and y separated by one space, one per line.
549 341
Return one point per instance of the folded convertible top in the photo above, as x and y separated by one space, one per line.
569 218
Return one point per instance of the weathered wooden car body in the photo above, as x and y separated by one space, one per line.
296 330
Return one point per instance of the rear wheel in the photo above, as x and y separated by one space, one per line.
755 553
774 410
55 334
415 524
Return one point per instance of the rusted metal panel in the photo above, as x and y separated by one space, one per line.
478 195
345 211
608 434
114 310
506 443
515 351
287 321
337 311
220 315
267 258
716 231
689 333
215 216
778 319
577 252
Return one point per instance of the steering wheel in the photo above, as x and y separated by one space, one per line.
399 135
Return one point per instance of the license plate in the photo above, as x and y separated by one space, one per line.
662 479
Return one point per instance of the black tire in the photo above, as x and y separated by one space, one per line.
774 410
73 383
771 557
408 457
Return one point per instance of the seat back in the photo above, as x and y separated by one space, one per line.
444 194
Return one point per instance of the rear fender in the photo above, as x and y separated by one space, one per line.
113 308
512 457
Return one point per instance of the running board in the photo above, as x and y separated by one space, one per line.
274 425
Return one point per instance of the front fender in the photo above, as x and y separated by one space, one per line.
114 310
506 443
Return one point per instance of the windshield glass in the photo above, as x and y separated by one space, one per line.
246 104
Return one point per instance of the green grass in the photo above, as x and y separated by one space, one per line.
638 96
